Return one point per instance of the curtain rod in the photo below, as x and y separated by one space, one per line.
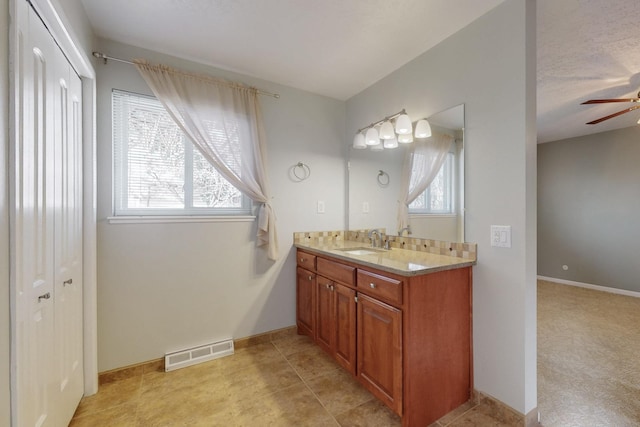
104 57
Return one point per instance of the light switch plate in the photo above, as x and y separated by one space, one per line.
501 236
365 207
320 206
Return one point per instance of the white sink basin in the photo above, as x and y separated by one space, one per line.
361 251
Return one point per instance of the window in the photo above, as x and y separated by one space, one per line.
438 198
158 171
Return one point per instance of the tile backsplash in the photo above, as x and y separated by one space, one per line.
438 247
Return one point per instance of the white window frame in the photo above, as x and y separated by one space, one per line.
124 214
449 167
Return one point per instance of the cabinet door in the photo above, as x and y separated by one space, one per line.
325 330
345 319
305 302
380 350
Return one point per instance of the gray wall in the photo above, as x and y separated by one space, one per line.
588 204
165 287
4 216
490 67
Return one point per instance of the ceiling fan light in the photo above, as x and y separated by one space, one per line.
372 137
386 131
405 139
403 125
390 143
358 141
423 129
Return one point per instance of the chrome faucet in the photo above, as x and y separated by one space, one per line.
379 237
408 228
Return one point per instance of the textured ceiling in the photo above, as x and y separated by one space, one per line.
586 48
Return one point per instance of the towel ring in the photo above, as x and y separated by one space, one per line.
303 169
383 178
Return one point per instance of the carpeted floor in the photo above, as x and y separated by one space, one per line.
588 357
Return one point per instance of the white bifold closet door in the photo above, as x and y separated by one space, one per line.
47 224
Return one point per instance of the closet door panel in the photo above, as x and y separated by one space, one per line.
46 237
68 238
34 235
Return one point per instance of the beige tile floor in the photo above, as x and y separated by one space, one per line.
588 357
286 382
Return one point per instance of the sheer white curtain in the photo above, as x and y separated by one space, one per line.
224 122
421 165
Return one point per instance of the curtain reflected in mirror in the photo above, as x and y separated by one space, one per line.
435 213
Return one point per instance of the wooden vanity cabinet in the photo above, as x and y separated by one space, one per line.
336 322
306 302
380 350
407 338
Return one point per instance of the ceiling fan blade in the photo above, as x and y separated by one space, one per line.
605 101
610 116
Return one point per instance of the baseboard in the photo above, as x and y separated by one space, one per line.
500 410
532 419
590 286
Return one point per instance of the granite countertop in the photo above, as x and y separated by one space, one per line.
398 261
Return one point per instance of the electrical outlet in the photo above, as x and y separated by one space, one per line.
501 236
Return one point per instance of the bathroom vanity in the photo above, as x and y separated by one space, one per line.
398 320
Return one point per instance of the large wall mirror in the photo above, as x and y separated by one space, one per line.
374 187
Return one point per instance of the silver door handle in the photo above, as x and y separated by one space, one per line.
372 285
44 296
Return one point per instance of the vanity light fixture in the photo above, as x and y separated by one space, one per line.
384 129
403 125
391 143
358 142
372 137
423 129
405 139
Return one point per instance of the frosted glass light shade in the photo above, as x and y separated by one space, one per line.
405 139
378 147
386 131
423 129
372 137
403 125
358 141
390 143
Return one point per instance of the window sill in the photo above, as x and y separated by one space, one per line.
149 219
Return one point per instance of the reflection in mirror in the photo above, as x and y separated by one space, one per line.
438 213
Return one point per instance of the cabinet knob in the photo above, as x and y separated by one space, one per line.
326 285
301 259
44 296
310 277
372 285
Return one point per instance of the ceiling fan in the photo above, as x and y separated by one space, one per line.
610 116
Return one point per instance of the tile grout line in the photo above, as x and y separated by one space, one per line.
307 385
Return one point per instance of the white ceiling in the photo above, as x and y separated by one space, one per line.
586 48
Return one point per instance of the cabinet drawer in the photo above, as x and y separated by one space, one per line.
306 260
336 271
386 288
